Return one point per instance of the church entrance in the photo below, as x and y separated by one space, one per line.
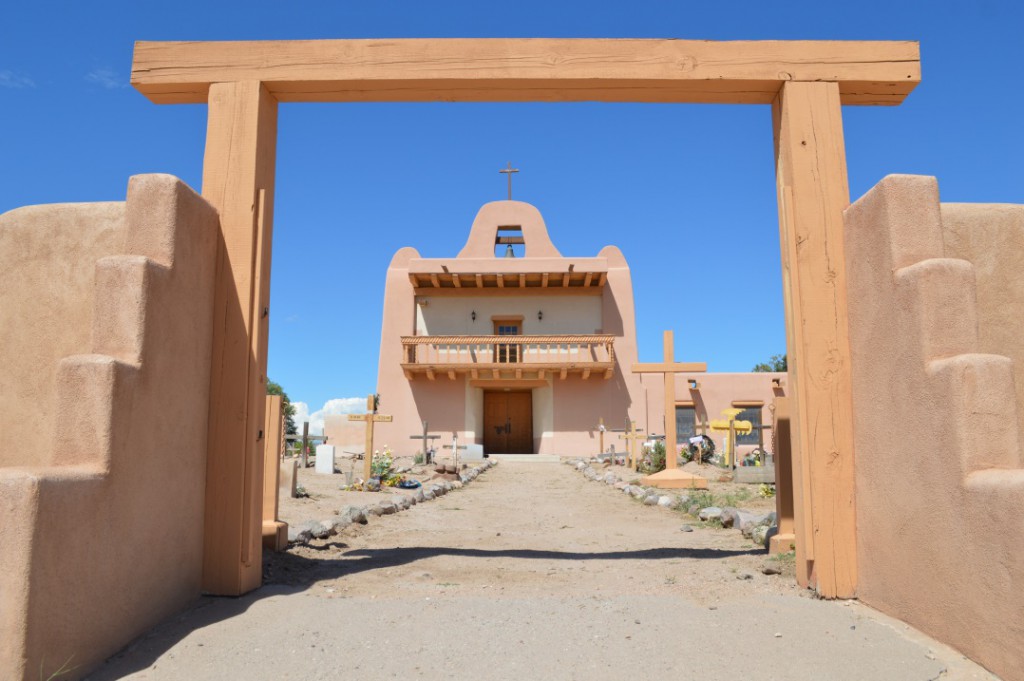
508 422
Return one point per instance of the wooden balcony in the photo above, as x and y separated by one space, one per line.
508 357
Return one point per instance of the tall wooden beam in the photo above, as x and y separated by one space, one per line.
238 179
521 69
813 192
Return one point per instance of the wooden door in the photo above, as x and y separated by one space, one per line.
495 418
520 418
508 422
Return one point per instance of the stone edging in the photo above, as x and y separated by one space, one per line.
350 515
756 527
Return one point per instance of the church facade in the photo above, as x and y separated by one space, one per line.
529 354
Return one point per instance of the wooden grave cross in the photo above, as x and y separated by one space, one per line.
371 416
600 434
631 435
426 442
668 368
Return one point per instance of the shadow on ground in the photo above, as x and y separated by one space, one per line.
289 573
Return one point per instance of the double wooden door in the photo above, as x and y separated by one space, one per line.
508 422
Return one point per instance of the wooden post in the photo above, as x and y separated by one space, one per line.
275 532
600 435
238 180
812 194
304 455
784 487
371 416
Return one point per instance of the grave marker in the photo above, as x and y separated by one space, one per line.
671 477
631 435
371 416
426 442
455 447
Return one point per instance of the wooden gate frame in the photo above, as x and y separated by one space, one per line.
806 82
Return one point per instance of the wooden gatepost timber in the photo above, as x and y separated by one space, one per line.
806 82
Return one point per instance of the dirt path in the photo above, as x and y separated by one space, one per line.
531 572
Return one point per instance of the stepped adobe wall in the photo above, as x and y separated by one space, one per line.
935 294
105 328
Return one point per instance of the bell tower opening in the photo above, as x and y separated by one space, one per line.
509 242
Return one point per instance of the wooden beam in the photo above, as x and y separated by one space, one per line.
564 373
430 374
434 281
565 279
586 373
509 383
602 278
500 280
479 281
813 192
455 280
522 280
238 180
519 70
587 279
408 374
544 280
519 372
541 373
510 291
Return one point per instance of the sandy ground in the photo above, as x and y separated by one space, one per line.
531 572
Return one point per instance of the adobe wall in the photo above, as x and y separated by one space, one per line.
989 236
41 294
103 532
939 479
716 392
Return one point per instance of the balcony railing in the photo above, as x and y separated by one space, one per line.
508 356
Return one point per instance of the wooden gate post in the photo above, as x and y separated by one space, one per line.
238 179
275 532
813 192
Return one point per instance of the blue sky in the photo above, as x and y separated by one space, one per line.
687 192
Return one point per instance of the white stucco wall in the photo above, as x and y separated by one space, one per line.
443 316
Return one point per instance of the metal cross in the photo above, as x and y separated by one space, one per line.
508 171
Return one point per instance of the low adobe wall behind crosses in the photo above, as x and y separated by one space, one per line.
937 338
105 328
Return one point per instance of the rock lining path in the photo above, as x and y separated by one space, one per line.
532 573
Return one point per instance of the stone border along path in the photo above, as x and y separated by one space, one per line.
350 515
757 527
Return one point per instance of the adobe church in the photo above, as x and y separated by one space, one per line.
515 347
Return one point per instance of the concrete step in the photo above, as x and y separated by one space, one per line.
530 458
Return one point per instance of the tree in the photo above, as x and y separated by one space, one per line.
776 363
286 406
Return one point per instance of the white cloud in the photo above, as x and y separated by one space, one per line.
105 78
13 80
338 405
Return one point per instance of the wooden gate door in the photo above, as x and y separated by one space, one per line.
508 422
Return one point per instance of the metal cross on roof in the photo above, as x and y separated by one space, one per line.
508 171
